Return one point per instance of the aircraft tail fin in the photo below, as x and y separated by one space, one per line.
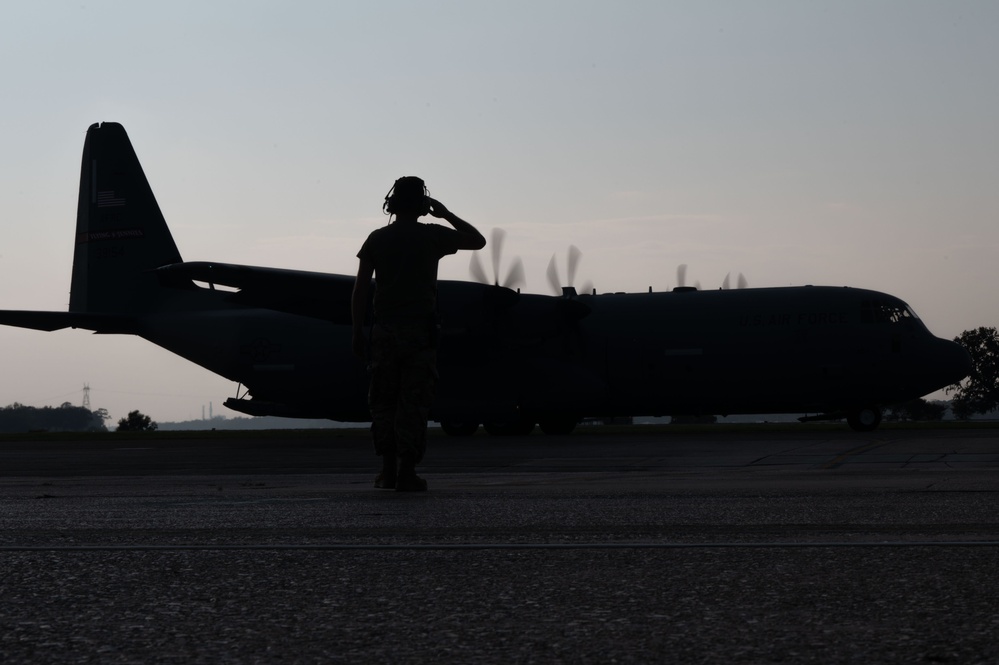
121 235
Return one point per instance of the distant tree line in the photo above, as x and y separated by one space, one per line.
65 418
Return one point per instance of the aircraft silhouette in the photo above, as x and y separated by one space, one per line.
507 359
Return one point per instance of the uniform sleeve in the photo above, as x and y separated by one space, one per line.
365 253
447 240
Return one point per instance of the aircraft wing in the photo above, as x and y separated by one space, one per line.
253 277
301 292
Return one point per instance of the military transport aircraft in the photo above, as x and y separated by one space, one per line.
507 359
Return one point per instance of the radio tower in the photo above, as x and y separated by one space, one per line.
86 397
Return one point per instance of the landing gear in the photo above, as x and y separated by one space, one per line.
459 428
514 427
866 419
558 423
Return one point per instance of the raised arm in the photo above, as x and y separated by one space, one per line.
470 236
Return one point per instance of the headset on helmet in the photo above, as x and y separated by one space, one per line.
409 194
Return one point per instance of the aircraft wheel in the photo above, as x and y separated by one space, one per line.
558 423
524 428
864 420
519 427
459 428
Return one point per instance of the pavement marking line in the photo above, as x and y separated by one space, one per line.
840 459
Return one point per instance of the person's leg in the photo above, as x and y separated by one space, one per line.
418 378
383 399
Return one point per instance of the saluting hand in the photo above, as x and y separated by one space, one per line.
437 209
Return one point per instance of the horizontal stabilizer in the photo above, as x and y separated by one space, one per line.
101 323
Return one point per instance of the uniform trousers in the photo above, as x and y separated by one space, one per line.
403 376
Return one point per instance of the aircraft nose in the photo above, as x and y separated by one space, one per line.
954 362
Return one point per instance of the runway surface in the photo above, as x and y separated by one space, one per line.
806 544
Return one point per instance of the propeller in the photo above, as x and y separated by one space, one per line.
475 267
573 258
681 277
553 280
514 277
741 283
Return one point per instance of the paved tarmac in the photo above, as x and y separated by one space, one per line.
700 545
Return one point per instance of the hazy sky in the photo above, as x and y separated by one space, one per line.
842 143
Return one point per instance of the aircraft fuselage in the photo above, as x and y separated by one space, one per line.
793 349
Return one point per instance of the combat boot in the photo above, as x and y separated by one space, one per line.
389 476
407 480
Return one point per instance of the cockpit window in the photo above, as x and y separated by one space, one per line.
886 311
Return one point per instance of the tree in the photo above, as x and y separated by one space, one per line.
916 409
979 393
136 422
100 415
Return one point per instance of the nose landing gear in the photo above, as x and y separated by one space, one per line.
866 419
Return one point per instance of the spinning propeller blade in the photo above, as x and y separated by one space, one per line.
573 257
475 267
515 277
573 262
741 283
553 280
499 235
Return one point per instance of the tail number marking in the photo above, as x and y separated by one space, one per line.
112 252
